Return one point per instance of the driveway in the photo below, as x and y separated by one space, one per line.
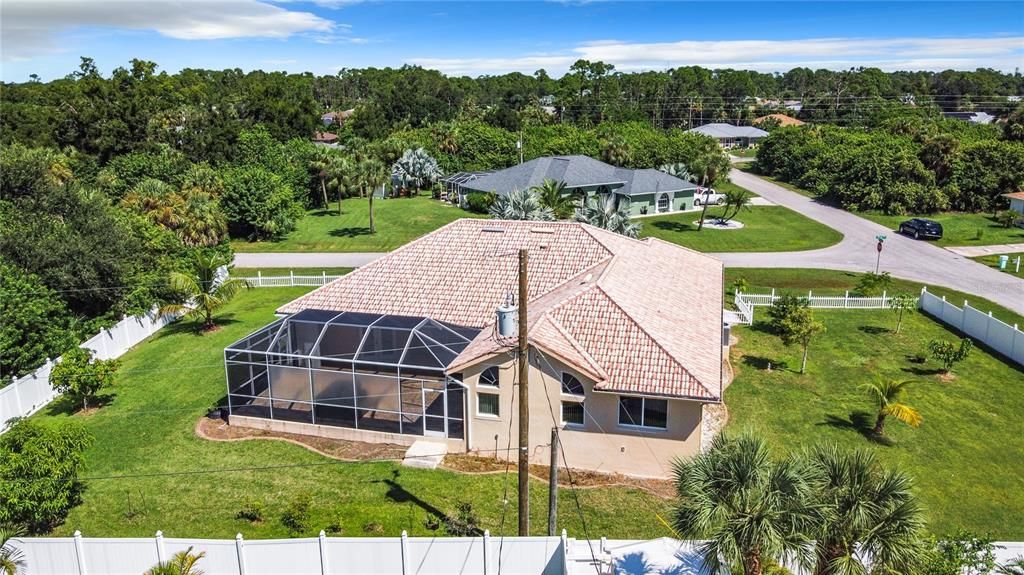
902 257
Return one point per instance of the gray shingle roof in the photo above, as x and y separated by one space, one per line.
729 131
578 172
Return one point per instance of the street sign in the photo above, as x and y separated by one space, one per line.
879 246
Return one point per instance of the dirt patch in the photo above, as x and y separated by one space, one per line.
219 430
947 377
473 464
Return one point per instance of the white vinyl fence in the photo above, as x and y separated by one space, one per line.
290 280
1004 338
746 302
29 394
311 556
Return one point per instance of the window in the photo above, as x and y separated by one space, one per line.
571 385
487 404
489 377
573 413
643 412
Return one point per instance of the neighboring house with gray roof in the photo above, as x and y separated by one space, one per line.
730 136
645 191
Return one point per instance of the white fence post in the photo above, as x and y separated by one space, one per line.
240 550
405 552
291 277
80 554
259 278
565 553
487 552
323 552
160 555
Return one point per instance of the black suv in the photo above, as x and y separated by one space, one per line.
921 228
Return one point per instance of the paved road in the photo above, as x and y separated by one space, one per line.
305 260
903 257
975 251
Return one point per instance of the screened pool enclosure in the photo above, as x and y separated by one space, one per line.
357 370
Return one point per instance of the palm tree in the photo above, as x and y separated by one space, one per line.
183 563
705 170
203 223
1014 567
12 560
416 167
677 169
552 195
615 150
203 288
863 510
750 509
372 173
604 212
736 199
320 165
887 394
341 177
158 201
521 205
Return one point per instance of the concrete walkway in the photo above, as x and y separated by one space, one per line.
305 260
977 251
902 256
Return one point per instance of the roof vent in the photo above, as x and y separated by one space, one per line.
542 230
493 230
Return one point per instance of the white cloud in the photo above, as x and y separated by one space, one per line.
30 27
1003 53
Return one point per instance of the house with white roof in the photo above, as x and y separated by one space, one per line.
622 357
730 136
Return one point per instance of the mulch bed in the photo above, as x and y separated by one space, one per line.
219 430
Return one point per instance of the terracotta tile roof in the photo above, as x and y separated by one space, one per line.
637 316
1014 195
783 119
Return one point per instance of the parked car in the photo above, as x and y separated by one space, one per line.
708 195
921 228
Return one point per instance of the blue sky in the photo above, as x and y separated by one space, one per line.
46 37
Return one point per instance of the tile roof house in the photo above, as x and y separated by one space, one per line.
1016 204
625 338
643 191
783 119
730 136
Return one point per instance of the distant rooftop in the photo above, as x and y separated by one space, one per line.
719 130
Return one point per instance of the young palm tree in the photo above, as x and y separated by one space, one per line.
521 205
602 212
204 291
750 509
416 168
204 223
183 563
887 394
158 201
615 151
372 173
341 178
552 195
864 510
736 199
12 560
320 165
677 169
705 170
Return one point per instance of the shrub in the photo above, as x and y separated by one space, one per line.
81 376
373 527
872 285
259 204
464 522
782 308
251 511
949 353
479 202
296 516
1008 218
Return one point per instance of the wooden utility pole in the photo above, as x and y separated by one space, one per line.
524 402
553 484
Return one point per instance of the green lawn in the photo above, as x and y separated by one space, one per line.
966 455
398 221
168 382
742 152
959 229
993 261
767 229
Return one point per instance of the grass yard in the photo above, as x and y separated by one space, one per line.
192 487
959 229
742 152
398 221
966 455
1011 266
767 229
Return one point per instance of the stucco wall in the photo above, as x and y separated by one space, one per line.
681 202
601 444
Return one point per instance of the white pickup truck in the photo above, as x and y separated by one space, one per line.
708 196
